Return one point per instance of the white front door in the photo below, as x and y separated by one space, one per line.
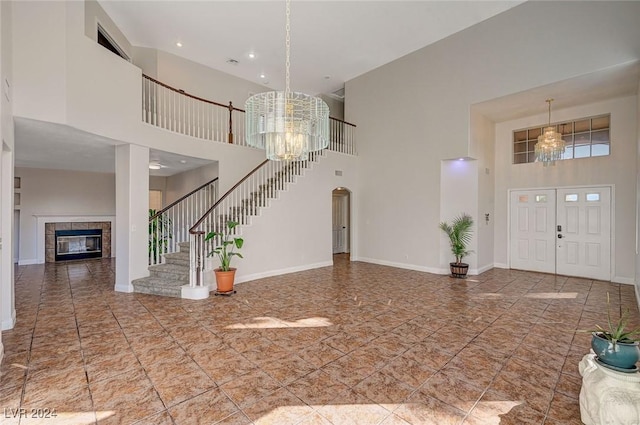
340 223
564 231
532 236
584 232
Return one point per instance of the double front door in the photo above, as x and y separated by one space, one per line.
564 231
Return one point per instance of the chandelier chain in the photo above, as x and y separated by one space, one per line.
287 47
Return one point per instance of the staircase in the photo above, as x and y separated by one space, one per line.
167 279
242 202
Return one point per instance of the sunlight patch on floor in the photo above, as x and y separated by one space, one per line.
415 413
273 323
489 295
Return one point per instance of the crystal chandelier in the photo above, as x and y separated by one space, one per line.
550 146
288 125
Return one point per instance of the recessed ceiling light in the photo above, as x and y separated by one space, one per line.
251 55
263 76
178 44
183 161
154 166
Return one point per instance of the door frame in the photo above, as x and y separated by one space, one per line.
583 186
348 195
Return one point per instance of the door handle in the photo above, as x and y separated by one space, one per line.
559 236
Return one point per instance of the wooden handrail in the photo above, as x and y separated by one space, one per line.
229 106
184 93
193 230
181 199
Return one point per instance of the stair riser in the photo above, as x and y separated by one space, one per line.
153 290
178 262
175 277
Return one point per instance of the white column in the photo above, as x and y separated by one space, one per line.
7 297
132 215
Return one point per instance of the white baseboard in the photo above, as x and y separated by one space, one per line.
29 262
501 266
623 280
481 269
123 288
270 273
404 266
9 323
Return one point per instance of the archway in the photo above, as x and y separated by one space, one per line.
341 221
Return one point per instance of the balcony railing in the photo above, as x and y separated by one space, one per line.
174 110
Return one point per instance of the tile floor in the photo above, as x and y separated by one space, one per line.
351 344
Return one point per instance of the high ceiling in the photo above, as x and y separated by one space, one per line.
331 41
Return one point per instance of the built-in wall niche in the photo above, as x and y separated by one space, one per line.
17 188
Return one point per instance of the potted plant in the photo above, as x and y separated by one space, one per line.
459 233
616 347
159 235
225 250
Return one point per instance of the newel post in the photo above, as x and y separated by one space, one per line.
230 122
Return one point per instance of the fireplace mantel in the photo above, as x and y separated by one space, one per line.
41 219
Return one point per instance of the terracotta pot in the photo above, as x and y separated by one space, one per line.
224 280
459 269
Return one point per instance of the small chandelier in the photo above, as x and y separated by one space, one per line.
550 146
288 125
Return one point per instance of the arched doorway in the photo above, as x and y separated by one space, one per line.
341 220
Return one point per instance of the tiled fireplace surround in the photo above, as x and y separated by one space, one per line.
50 231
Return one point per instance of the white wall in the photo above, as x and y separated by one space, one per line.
180 184
60 193
295 232
204 82
482 149
336 107
617 169
414 112
146 59
7 145
39 60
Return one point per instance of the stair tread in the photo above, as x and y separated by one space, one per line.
169 268
155 281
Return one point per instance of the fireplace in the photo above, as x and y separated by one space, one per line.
78 244
72 234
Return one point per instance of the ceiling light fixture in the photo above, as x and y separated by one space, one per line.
550 146
178 44
155 165
263 76
251 55
288 125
